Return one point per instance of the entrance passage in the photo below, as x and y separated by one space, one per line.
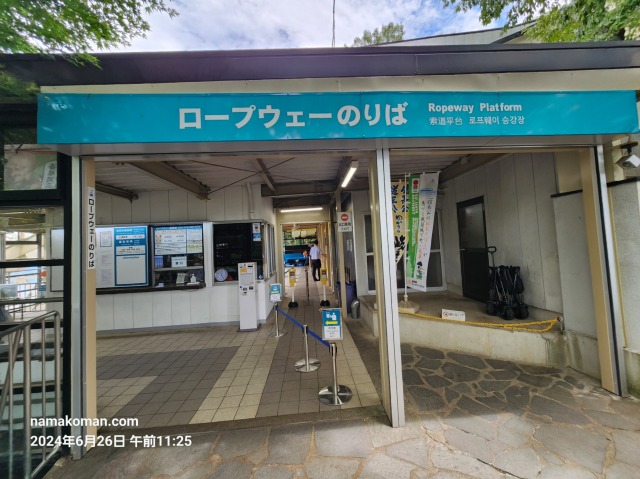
219 374
474 259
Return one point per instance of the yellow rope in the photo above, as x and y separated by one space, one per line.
511 326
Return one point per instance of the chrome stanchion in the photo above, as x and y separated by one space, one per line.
277 333
306 365
335 395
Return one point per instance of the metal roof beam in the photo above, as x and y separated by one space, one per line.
264 172
172 175
287 190
112 190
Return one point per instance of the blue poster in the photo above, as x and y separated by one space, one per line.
130 251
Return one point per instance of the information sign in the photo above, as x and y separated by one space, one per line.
275 293
345 224
331 324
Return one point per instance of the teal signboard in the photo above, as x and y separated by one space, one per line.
157 118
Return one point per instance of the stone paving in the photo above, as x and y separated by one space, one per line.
467 417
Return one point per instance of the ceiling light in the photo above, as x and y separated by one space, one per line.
300 210
352 171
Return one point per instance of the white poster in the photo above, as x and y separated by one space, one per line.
427 208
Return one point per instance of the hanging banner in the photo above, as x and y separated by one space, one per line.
424 193
413 221
399 204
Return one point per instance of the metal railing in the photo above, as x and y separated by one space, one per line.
25 292
22 346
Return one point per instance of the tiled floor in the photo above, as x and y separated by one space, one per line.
219 374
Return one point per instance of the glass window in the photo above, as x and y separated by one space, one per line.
235 243
29 170
368 240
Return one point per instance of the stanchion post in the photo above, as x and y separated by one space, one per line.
323 278
335 395
277 332
306 365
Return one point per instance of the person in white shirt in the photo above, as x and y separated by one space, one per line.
316 264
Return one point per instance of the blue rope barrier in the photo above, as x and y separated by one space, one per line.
302 327
319 338
290 318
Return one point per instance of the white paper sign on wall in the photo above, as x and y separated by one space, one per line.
345 224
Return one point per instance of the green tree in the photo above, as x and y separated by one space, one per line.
71 27
576 21
391 32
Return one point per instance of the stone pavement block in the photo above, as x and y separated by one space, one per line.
382 434
385 467
627 444
171 460
457 373
566 472
471 444
426 400
203 469
443 458
622 471
615 421
331 467
235 470
415 451
272 472
289 444
474 362
429 353
522 463
587 451
556 411
240 442
473 424
344 438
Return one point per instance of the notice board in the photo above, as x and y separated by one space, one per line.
123 256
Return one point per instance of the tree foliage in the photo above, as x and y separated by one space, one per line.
391 32
560 21
71 27
74 26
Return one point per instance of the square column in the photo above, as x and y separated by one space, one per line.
386 287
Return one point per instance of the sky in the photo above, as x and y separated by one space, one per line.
250 24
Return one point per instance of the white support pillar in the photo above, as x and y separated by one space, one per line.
604 271
83 306
386 287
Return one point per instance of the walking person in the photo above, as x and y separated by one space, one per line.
316 264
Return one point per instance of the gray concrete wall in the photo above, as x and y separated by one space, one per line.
626 215
520 222
625 199
575 272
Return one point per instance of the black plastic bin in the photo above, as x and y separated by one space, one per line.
351 294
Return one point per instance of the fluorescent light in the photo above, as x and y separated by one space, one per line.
352 171
299 210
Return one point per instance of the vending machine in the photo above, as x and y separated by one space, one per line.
248 297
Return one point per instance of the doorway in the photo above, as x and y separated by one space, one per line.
474 260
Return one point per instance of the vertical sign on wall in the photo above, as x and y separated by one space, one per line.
91 228
399 203
422 195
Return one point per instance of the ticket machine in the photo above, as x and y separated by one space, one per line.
248 297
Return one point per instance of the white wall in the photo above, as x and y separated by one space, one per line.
214 304
519 217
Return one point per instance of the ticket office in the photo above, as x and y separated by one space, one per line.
178 274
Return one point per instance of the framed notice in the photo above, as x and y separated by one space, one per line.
122 256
